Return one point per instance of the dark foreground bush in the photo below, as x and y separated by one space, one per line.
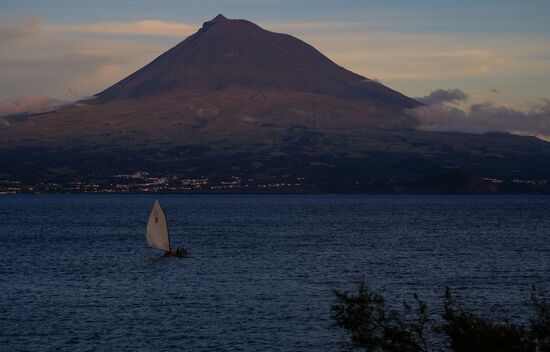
374 327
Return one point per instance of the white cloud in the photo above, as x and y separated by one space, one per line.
532 119
11 106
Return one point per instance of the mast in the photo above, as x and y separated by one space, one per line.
167 230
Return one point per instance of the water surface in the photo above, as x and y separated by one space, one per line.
76 273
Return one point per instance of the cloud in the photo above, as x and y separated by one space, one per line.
11 28
533 120
414 62
14 29
45 58
41 61
444 96
32 104
139 28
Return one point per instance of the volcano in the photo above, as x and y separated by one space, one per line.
236 102
230 76
237 54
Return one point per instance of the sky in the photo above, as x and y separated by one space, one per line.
495 52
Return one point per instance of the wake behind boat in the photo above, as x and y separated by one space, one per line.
157 233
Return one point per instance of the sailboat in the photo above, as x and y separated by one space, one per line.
157 233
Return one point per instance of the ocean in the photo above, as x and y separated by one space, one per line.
76 274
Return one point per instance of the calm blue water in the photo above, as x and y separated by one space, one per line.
76 274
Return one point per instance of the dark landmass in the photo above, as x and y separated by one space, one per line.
235 108
305 162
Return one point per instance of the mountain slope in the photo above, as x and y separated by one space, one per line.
231 77
237 53
250 110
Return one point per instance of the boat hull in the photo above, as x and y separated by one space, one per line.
177 254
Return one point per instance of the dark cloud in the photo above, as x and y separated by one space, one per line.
444 96
485 117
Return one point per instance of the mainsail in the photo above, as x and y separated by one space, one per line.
157 229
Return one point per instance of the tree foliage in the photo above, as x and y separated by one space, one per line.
372 326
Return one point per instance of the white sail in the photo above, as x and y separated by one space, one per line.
157 229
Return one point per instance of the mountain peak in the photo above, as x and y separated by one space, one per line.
219 17
230 54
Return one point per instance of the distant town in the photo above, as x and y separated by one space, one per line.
144 182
